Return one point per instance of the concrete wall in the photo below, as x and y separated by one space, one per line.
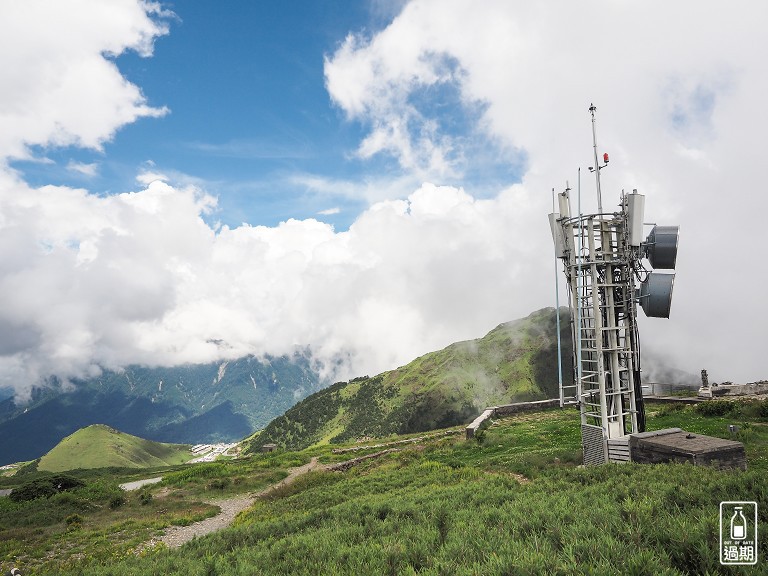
505 410
728 390
508 409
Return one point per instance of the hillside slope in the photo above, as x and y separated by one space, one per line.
513 501
99 446
516 361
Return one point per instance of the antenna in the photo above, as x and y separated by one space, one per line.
596 169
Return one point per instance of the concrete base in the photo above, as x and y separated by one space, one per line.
759 389
676 445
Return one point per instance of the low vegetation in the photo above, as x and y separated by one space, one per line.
62 521
514 501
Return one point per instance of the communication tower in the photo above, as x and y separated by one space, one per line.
604 257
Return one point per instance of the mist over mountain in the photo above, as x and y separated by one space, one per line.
514 362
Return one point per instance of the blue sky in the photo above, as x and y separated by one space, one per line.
250 118
368 180
248 108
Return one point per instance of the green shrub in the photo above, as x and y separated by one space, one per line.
116 501
145 497
195 472
73 521
71 501
671 409
29 468
717 408
218 484
45 487
755 409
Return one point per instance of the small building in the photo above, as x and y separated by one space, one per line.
269 448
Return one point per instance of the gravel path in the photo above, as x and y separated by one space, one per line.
175 536
140 483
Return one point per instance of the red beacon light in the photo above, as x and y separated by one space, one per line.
605 157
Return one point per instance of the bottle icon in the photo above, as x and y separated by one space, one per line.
738 524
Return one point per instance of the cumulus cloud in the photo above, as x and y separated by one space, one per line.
368 296
60 84
92 281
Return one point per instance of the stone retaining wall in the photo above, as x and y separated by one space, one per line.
505 410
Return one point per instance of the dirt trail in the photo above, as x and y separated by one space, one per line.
175 536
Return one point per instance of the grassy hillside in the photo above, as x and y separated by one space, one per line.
99 446
515 362
511 502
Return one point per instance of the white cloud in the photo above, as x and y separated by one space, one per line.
89 281
146 177
59 85
330 211
90 169
370 189
140 277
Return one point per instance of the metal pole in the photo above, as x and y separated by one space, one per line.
579 374
557 316
597 161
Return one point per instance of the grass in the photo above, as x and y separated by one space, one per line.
514 502
41 536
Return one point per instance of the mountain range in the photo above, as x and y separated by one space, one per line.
190 404
228 401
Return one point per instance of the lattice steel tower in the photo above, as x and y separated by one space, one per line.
603 260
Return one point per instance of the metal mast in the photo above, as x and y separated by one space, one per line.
601 255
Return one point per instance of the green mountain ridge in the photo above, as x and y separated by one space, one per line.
100 446
514 362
